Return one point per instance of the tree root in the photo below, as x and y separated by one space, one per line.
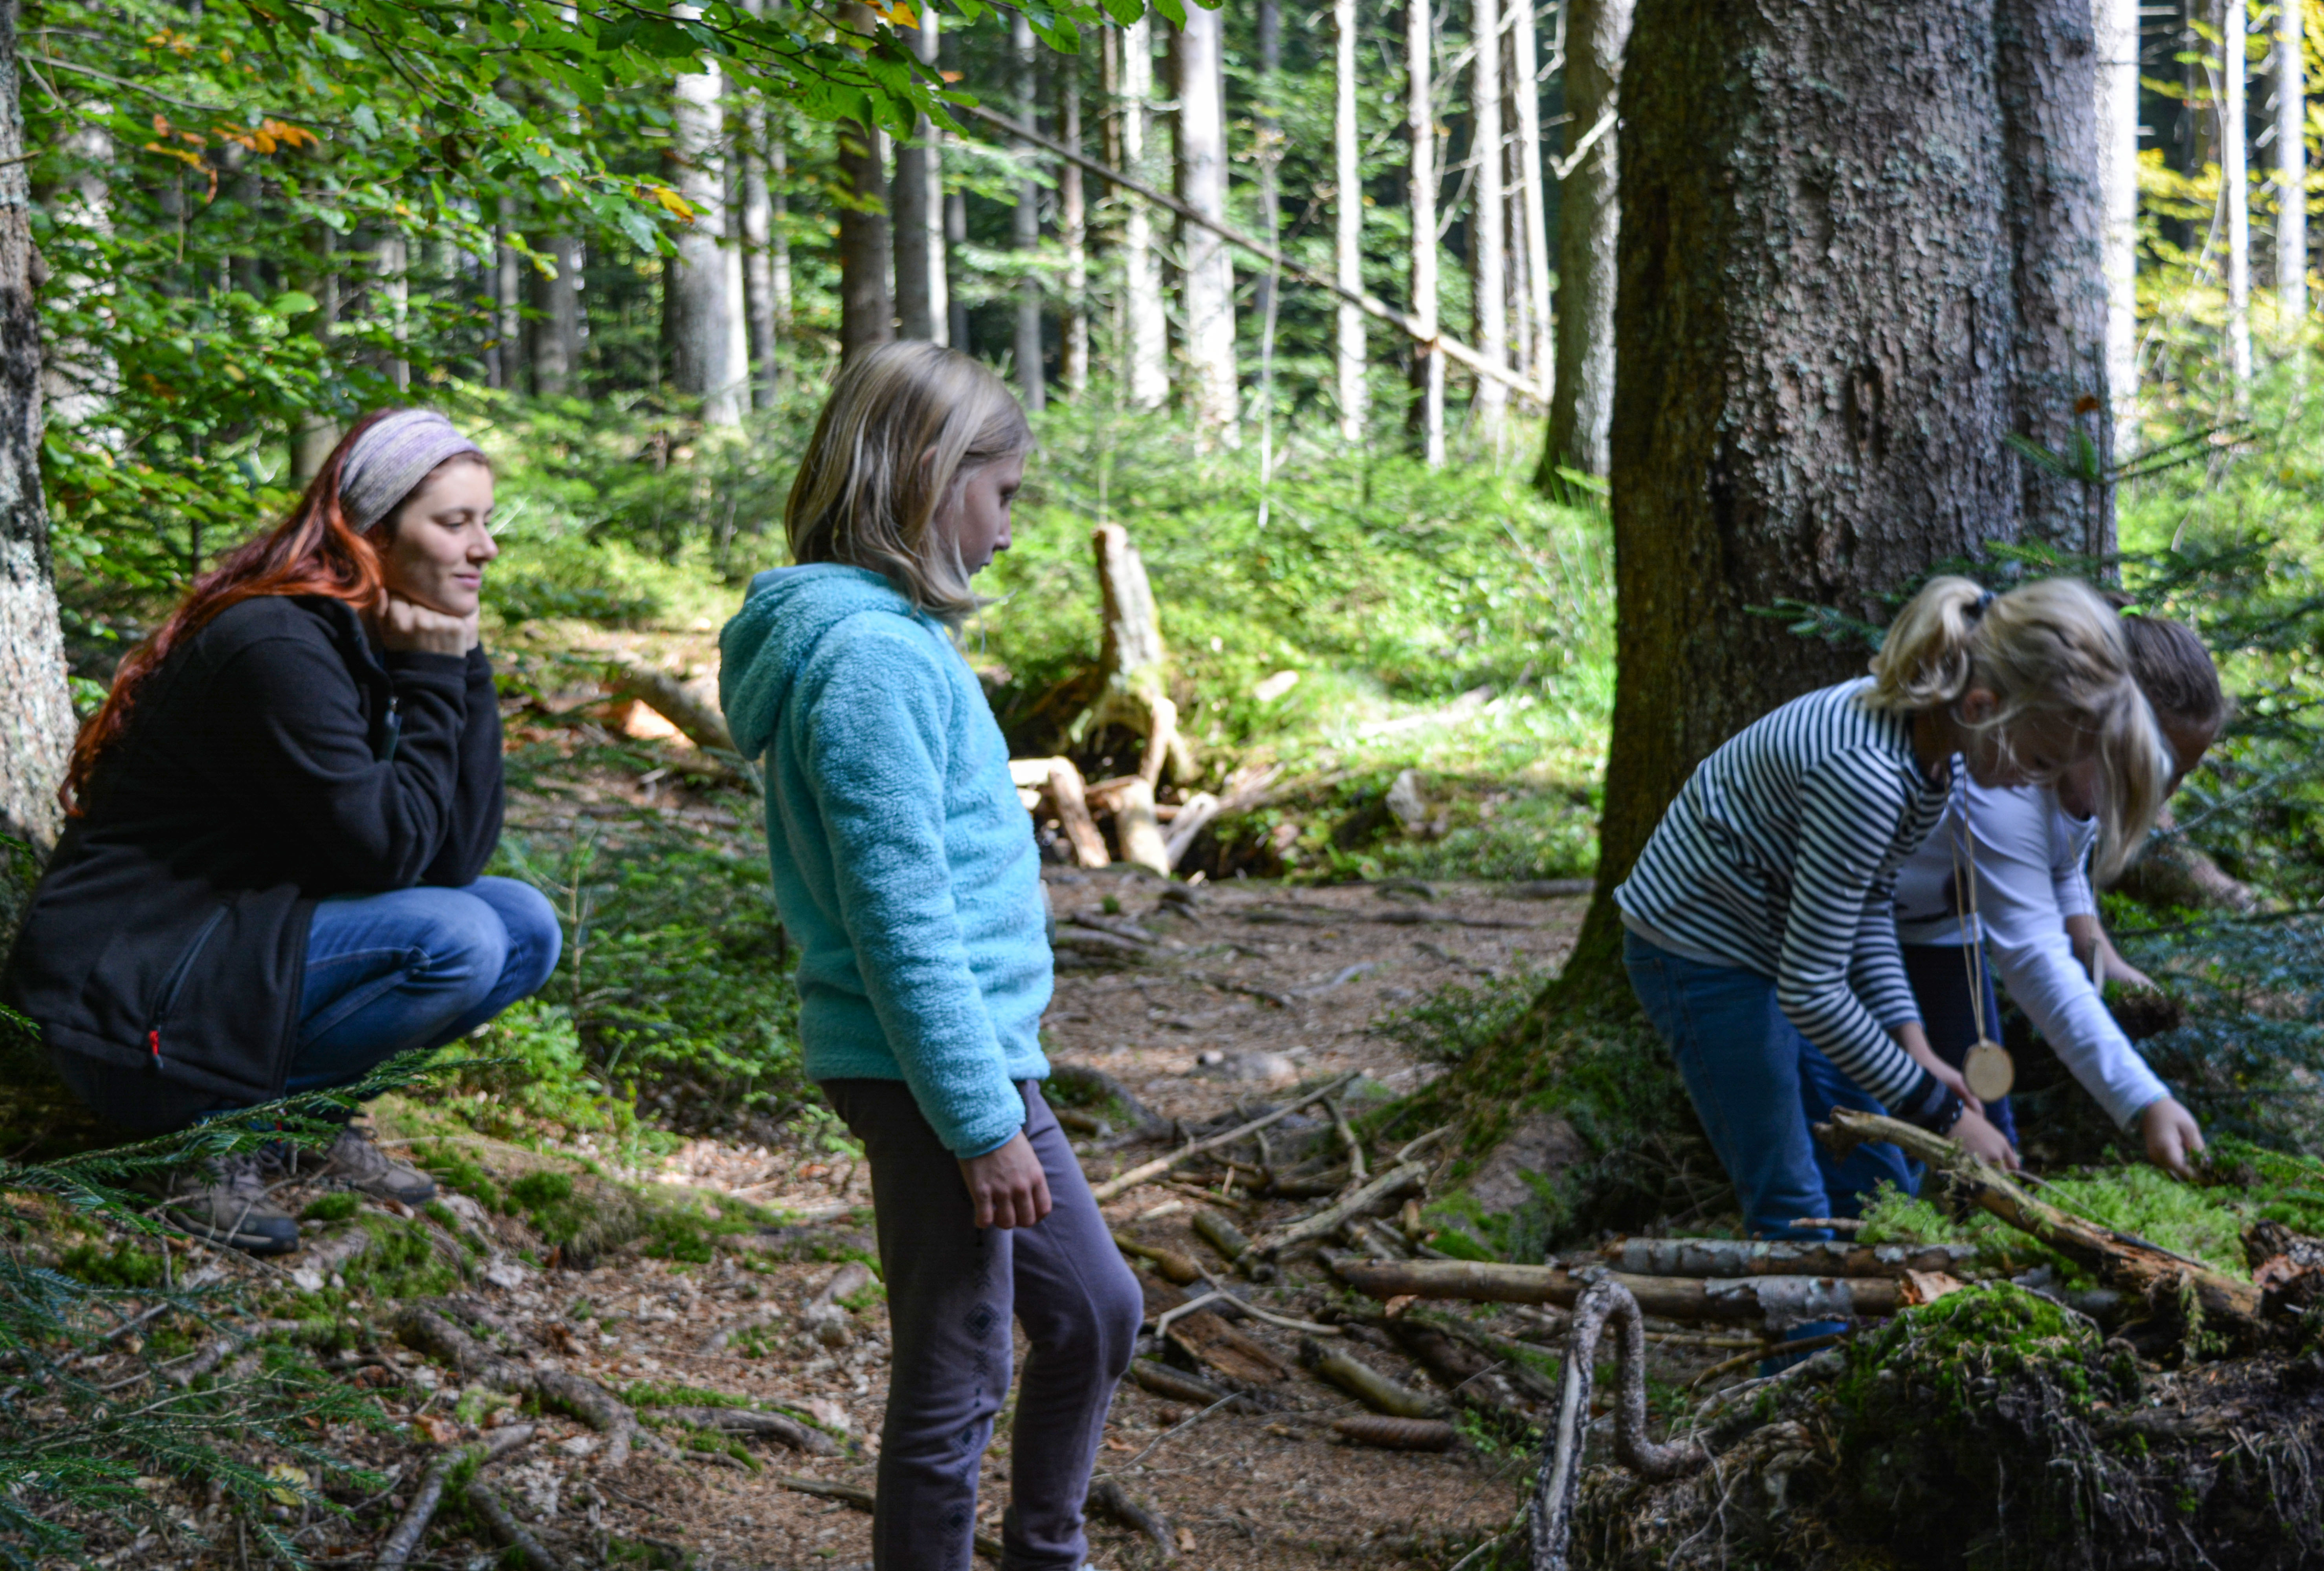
433 1334
404 1540
501 1523
1109 1500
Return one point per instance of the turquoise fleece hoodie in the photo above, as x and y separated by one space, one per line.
904 865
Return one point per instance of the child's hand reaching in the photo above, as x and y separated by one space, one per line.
1007 1185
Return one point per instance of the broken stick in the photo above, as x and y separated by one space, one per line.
1185 1153
1741 1300
1395 1181
1362 1381
1780 1257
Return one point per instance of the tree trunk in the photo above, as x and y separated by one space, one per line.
758 254
920 304
1488 218
696 312
1073 228
1208 283
391 260
1589 217
867 312
507 300
1524 82
1348 203
2117 114
1812 396
1025 224
557 336
2045 71
2235 33
1267 151
1420 198
36 721
778 236
314 434
2291 171
1147 334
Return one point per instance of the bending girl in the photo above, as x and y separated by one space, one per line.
269 882
1761 938
907 868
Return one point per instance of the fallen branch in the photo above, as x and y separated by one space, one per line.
404 1540
863 1499
1109 1500
1550 1512
1743 1300
1063 782
501 1523
2118 1258
1777 1257
1395 1181
431 1333
1185 1153
1358 1168
1362 1382
1222 1235
825 1316
691 707
1176 1385
1397 1434
1766 1350
780 1427
1174 1266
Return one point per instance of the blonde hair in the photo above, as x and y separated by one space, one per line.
2052 648
907 424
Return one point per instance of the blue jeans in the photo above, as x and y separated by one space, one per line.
415 968
1757 1085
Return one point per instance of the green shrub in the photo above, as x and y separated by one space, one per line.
331 1207
121 1265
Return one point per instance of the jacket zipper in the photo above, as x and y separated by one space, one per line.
176 984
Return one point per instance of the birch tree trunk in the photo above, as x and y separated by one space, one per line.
778 235
1348 214
1524 82
507 365
696 310
1267 154
1488 218
1589 217
1025 225
1073 229
1209 282
1420 201
2234 34
1146 333
2291 172
758 253
920 307
556 335
36 720
2118 98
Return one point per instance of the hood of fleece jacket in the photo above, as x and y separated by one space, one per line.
785 614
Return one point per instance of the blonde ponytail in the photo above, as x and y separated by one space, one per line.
2052 648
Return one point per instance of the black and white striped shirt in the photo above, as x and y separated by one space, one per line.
1780 857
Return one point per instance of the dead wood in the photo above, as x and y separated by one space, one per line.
779 1427
824 1316
1777 1300
1062 783
1358 1168
1098 1084
2117 1259
1194 815
1174 1266
430 1332
692 707
1109 1500
1137 832
863 1499
1133 665
1747 1258
1177 1385
1105 945
1395 1181
1139 1174
412 1526
1362 1382
1222 1235
1397 1434
501 1523
1207 1338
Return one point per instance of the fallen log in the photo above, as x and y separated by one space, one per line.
404 1540
1161 1164
1177 1385
692 707
1395 1181
2118 1258
1397 1434
1779 1257
1207 1338
1772 1301
1194 815
1222 1235
1174 1266
1362 1381
1063 783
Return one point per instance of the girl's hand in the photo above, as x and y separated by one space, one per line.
1007 1185
1983 1139
1915 1041
411 628
2115 968
2172 1135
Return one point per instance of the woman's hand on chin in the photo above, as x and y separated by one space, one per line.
409 627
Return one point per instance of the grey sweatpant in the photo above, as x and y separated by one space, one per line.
952 1288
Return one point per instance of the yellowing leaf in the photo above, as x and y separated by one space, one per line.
898 14
295 1478
678 206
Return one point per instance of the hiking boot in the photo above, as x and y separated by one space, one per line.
356 1160
225 1200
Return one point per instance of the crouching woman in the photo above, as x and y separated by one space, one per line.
269 880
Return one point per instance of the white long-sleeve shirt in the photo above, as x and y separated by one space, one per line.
2030 856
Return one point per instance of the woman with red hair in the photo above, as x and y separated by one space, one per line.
270 879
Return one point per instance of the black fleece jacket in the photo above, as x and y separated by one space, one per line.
276 757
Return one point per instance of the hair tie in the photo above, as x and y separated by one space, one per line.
1982 602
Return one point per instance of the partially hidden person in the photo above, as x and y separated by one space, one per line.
2008 865
1761 933
906 866
269 881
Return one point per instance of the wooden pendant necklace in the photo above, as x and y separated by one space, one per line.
1988 1070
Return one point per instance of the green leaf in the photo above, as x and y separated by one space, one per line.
292 303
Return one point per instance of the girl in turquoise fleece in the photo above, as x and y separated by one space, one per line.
906 867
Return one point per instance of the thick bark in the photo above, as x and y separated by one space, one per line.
867 312
918 206
79 380
1420 198
2290 171
36 721
2117 23
1541 353
2045 72
697 310
1489 217
2235 31
1025 226
1146 336
1589 219
1209 281
1348 204
1073 229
